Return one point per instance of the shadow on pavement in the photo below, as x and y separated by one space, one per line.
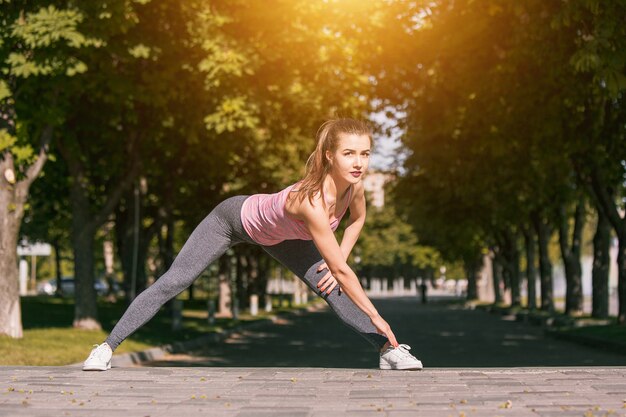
441 334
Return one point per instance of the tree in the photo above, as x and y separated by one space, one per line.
39 48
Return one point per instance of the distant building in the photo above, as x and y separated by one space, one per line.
374 183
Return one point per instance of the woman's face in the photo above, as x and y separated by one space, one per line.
352 156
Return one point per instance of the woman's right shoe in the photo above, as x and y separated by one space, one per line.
99 359
399 358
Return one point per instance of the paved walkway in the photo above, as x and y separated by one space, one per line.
311 365
315 392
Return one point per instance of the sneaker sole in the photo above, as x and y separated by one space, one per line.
387 367
97 368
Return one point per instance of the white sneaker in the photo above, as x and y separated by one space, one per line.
399 358
99 359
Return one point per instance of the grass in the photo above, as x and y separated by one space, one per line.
581 328
610 332
50 339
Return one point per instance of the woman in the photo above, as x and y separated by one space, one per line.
295 226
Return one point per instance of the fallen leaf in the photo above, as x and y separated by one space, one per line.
507 404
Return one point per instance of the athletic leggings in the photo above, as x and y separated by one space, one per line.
219 231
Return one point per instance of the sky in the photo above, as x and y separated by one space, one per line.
387 149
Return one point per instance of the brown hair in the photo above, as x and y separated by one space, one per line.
318 166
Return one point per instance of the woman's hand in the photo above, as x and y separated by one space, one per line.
328 281
384 329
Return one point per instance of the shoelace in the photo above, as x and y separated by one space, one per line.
94 352
404 349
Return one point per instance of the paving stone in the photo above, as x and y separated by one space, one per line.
178 390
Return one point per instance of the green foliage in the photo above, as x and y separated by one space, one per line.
6 140
37 32
387 239
47 26
140 51
600 39
40 46
234 113
5 92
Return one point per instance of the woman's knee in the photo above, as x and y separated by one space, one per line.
173 282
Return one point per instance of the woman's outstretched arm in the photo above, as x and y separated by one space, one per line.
316 219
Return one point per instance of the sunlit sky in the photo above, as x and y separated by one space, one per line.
387 152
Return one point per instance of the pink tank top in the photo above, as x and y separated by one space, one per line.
264 218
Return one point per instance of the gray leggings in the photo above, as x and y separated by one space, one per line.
219 231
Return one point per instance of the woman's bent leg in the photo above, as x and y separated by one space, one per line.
210 239
303 259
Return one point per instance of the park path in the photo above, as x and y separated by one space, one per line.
440 334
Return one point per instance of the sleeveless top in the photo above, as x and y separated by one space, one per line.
264 218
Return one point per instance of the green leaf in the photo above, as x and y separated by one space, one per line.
6 139
140 51
4 90
23 154
79 67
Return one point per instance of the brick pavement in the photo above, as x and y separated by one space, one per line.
323 392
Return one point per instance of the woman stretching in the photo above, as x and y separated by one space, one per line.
295 226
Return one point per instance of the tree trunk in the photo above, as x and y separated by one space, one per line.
85 223
225 293
125 234
124 245
472 289
531 271
10 312
83 234
496 268
57 267
253 274
263 275
571 258
605 197
545 266
601 263
621 280
510 253
13 197
241 278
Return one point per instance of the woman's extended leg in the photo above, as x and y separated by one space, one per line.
212 237
303 259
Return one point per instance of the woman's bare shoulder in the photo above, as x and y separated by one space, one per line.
298 205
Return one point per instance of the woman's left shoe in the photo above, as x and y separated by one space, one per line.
99 359
399 358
